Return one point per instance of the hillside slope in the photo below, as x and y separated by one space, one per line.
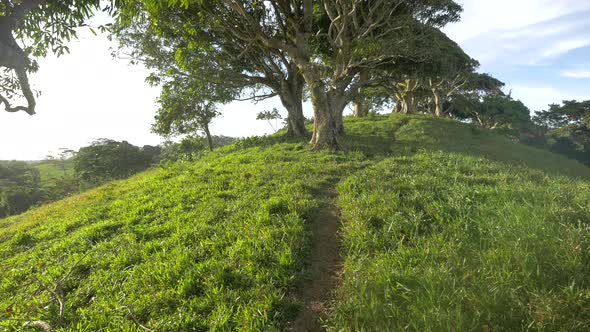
444 227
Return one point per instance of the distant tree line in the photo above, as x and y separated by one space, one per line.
21 186
565 129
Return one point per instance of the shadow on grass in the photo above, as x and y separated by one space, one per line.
405 135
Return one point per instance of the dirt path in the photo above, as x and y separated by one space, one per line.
324 268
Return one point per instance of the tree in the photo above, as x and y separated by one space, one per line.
19 187
184 110
107 159
269 116
433 69
45 25
64 155
567 128
449 72
357 36
493 111
152 153
180 43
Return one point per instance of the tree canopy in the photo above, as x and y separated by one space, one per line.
567 128
329 43
106 159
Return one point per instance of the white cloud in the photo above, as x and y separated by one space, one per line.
484 16
576 73
538 98
524 32
563 47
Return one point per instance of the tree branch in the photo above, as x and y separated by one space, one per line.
18 13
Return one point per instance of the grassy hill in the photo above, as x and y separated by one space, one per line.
54 169
443 227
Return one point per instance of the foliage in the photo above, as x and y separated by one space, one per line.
190 147
568 128
106 160
185 110
269 116
19 187
492 111
327 43
441 219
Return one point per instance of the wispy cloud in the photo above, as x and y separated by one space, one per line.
533 32
558 48
483 17
576 73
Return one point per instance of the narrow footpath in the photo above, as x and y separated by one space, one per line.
325 266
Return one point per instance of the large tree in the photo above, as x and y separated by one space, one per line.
358 35
44 26
184 110
432 69
106 160
177 42
493 111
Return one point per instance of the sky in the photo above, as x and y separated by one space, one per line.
539 48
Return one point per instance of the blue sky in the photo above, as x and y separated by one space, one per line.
539 48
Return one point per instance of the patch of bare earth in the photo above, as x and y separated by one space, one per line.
324 267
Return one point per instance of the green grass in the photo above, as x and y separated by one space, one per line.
445 228
461 230
53 169
213 244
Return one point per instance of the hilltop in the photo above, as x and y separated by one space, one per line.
435 226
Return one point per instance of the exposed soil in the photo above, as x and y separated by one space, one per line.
324 266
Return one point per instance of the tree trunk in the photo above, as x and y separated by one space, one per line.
338 117
438 107
13 57
327 112
209 138
410 104
328 105
291 95
359 109
398 106
407 104
295 119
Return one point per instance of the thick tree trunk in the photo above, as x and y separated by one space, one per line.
327 104
358 110
291 95
407 104
327 109
398 106
338 118
295 119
